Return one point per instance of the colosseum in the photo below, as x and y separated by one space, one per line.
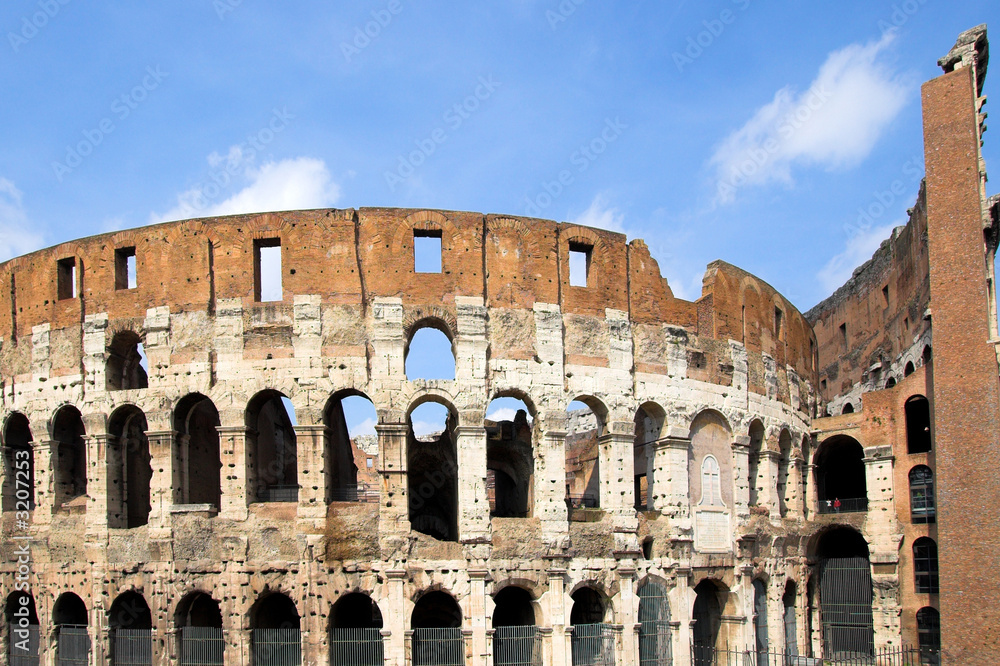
747 482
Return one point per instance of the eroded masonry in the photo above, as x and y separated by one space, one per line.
180 485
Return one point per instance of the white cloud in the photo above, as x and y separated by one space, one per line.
601 215
15 237
366 427
860 249
423 428
834 124
289 184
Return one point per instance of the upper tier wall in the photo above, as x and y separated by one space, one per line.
353 257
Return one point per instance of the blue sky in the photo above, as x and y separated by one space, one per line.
635 116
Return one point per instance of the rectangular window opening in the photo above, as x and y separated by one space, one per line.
843 335
267 270
885 296
66 278
778 321
125 275
579 264
426 250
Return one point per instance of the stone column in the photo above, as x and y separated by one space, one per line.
556 595
477 616
670 491
682 598
395 615
232 452
550 482
473 503
767 485
309 449
394 513
618 484
97 484
161 484
628 617
793 489
812 499
741 477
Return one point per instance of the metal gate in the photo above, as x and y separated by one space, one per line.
72 645
517 646
593 645
202 646
438 647
356 647
791 632
760 622
23 646
845 597
132 647
654 626
276 647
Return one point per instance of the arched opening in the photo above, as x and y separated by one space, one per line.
437 631
929 635
516 641
272 461
429 353
707 618
131 635
71 459
585 419
655 648
761 639
275 636
922 507
786 486
510 459
126 366
351 444
845 594
649 422
908 369
197 464
918 425
926 355
925 566
889 383
199 623
356 631
432 470
848 408
19 465
593 638
22 629
757 481
129 469
69 615
840 476
647 548
789 620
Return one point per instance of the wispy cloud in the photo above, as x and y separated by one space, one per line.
601 215
15 235
835 123
860 248
366 427
288 184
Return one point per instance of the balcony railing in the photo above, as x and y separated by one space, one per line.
360 492
585 501
844 505
279 494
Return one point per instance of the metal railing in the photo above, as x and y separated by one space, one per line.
276 647
593 645
279 494
848 505
902 656
23 645
355 493
438 647
132 647
356 647
654 644
517 646
585 501
202 646
72 645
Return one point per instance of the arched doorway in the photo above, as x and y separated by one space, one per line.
356 631
510 459
199 623
275 636
432 469
516 641
22 630
655 648
129 470
19 465
197 463
840 476
69 615
131 633
761 640
272 460
593 636
437 631
707 616
845 593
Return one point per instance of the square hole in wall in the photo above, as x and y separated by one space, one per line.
427 250
267 270
125 268
579 264
66 278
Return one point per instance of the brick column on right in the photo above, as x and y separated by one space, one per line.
966 392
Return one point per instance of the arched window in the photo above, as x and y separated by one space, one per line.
789 621
929 635
197 464
908 369
654 625
19 465
432 471
199 621
71 458
356 631
516 641
707 622
889 383
756 481
786 486
845 593
69 614
275 636
649 421
22 629
711 486
918 425
848 408
352 448
925 566
272 469
126 366
131 633
760 620
922 509
585 419
840 476
129 470
429 353
593 639
510 460
437 630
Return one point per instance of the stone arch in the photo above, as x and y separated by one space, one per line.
510 461
271 449
841 591
341 454
428 346
70 462
650 426
197 453
840 475
432 473
786 489
757 479
711 437
123 369
129 471
19 464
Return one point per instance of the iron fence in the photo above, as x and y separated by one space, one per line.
849 505
202 646
593 645
902 656
654 643
517 646
72 645
438 647
23 645
276 647
279 494
585 501
355 493
356 647
132 647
